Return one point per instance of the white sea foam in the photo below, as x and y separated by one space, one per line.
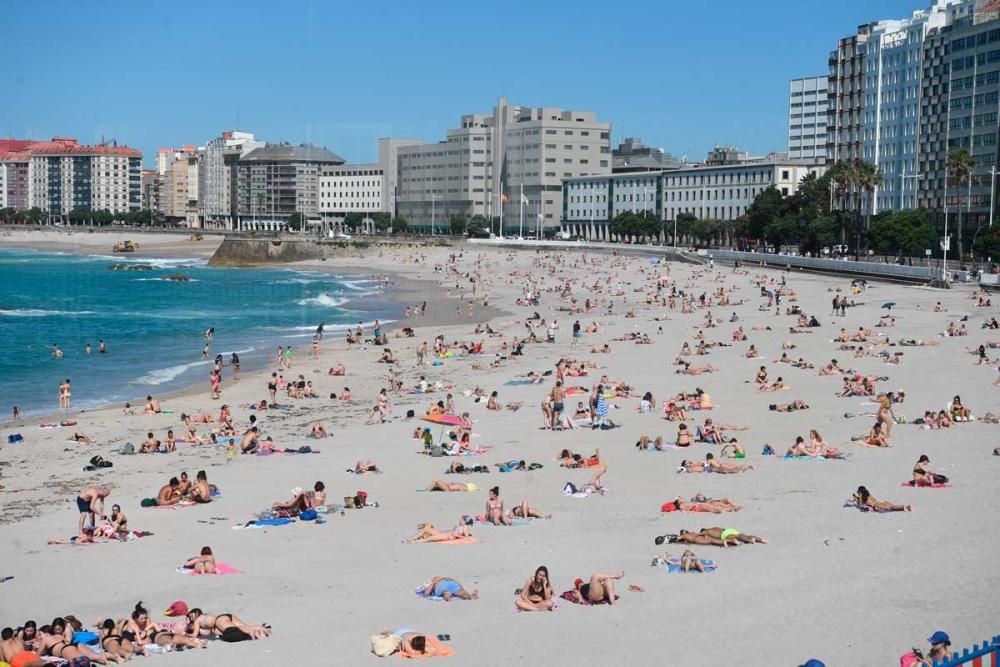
160 376
37 312
323 299
164 280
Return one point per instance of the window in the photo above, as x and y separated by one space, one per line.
784 174
604 163
550 131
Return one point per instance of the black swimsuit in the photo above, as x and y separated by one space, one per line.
104 641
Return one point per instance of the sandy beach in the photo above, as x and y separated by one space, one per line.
835 583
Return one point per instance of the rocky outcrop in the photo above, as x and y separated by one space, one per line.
130 267
177 278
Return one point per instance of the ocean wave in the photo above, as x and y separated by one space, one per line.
156 262
297 281
160 376
37 312
323 299
356 285
164 280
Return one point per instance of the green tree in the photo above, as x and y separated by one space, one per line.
903 232
782 231
766 208
34 216
457 225
382 220
296 221
819 233
959 166
704 231
685 225
78 216
353 221
399 225
988 245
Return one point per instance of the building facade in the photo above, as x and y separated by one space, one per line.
721 192
277 180
351 188
62 175
959 109
807 100
218 180
510 163
845 98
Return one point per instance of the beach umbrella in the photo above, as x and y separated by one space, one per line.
446 420
888 305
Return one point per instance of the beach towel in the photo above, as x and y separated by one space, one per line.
517 383
480 518
674 565
263 523
570 596
458 540
439 650
220 568
927 486
863 508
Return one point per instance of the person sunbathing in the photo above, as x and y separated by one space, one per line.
493 403
684 438
204 563
149 445
536 593
862 498
761 378
959 412
831 369
692 466
752 352
913 342
61 645
603 349
777 385
303 500
792 406
141 631
600 589
426 532
690 562
733 449
712 465
339 369
875 438
525 511
365 467
719 537
644 443
82 437
688 369
169 493
222 625
494 509
112 641
923 476
318 431
447 589
706 505
571 460
438 485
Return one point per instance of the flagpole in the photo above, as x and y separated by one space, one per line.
500 231
520 234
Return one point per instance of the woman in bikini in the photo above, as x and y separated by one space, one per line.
426 532
885 415
865 499
447 589
600 589
525 511
683 436
712 465
141 631
60 645
923 476
203 563
201 624
536 593
494 508
113 642
875 437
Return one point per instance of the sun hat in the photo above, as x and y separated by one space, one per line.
939 637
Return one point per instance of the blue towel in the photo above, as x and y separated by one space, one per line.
675 566
516 383
273 522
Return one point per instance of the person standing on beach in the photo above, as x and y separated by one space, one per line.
288 357
280 361
422 353
319 330
272 389
64 394
234 361
315 347
90 502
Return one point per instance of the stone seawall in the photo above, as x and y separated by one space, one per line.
241 251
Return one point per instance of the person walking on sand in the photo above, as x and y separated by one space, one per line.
90 502
64 394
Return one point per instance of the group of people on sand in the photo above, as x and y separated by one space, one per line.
536 594
183 490
119 639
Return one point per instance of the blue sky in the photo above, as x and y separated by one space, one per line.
682 75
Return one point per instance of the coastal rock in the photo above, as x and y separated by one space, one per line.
177 278
130 267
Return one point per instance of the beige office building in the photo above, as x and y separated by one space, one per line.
513 160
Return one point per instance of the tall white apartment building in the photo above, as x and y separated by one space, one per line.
891 92
218 176
807 100
511 161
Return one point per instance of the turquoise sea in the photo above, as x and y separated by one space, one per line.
154 328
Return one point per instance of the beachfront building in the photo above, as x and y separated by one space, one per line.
845 97
13 174
62 175
178 189
959 106
218 180
722 190
512 160
807 99
278 180
354 190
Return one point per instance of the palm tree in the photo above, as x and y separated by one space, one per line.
841 176
959 165
868 178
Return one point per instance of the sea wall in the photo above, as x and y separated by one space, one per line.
243 251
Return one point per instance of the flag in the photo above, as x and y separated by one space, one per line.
524 200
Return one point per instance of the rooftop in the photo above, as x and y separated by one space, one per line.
68 146
287 152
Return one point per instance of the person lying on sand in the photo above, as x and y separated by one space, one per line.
719 537
438 485
644 443
712 465
318 431
599 590
426 532
365 467
713 506
525 511
536 593
796 404
447 589
204 563
82 437
206 625
863 498
60 645
569 459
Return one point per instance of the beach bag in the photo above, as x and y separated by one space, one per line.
127 449
305 449
410 414
437 450
385 644
361 498
940 479
84 637
234 634
15 438
309 515
569 489
148 502
100 462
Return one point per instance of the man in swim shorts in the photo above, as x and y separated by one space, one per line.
88 502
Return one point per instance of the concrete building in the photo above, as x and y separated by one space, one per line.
178 195
845 97
893 55
150 190
218 180
61 175
351 188
18 184
720 192
632 155
807 100
959 106
495 162
277 180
